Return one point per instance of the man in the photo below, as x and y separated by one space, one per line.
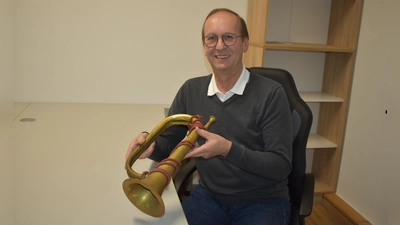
245 157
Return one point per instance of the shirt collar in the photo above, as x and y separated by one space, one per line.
238 88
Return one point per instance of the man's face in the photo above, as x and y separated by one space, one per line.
223 58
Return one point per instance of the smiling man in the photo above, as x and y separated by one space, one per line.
221 31
245 157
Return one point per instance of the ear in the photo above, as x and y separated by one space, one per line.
245 44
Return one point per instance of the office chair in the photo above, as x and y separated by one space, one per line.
301 185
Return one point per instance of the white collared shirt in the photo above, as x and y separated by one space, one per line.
238 88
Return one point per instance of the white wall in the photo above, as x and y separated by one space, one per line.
6 112
119 51
369 179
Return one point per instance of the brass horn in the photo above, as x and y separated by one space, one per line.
144 190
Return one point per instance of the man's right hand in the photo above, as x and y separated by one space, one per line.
139 140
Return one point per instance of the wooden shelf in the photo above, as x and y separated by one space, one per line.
316 141
339 52
316 97
322 187
304 47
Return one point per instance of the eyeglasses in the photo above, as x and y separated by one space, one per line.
228 39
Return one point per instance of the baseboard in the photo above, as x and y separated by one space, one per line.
346 210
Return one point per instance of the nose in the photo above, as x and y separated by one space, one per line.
220 44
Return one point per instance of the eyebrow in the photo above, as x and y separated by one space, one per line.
212 34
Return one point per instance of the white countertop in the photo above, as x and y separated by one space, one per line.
70 164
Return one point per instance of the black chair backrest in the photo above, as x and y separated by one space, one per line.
302 120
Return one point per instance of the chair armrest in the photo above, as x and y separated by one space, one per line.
307 198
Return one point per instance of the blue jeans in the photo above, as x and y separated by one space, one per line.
202 209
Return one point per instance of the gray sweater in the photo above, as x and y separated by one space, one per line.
258 123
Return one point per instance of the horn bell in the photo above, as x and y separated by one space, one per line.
145 191
146 194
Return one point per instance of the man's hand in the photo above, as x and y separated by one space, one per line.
215 145
139 140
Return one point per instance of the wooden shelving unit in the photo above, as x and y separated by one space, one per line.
302 47
333 99
318 142
317 97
